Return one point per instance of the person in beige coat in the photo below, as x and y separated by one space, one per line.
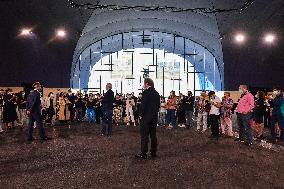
64 113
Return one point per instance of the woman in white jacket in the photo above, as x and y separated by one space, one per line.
129 110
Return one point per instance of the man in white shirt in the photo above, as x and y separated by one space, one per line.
214 114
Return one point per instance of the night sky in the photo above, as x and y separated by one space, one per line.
49 61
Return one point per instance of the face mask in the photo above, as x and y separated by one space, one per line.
241 91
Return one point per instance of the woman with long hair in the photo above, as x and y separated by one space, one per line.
226 115
258 114
50 108
171 110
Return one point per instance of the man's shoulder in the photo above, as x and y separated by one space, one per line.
32 94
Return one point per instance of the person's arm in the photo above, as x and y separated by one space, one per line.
31 103
250 100
143 105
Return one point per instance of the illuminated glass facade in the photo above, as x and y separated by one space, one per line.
179 51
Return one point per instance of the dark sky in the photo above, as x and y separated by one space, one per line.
27 60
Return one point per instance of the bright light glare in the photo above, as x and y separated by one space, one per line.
240 38
269 38
61 33
26 31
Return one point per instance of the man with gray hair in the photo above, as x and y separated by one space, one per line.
107 108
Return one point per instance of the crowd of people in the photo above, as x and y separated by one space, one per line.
254 113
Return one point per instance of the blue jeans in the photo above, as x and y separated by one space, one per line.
38 119
107 122
244 125
171 117
91 115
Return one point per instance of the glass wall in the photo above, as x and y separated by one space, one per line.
173 62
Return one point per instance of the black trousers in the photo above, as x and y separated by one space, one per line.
148 127
214 119
35 117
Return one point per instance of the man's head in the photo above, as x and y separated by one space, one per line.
276 90
108 86
51 95
227 94
37 86
148 82
243 88
211 94
189 93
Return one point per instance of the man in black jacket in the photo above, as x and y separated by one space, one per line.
34 112
189 109
149 108
107 108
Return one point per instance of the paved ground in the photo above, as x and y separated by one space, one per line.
78 157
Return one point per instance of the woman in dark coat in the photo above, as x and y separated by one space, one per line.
9 111
181 111
258 114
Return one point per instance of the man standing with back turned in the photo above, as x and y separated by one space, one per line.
150 105
107 106
34 112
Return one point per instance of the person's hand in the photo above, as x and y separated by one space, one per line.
28 113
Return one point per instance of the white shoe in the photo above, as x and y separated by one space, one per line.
203 131
183 126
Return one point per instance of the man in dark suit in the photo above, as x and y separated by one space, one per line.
150 105
34 112
107 108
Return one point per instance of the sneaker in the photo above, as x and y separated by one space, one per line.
183 126
249 143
